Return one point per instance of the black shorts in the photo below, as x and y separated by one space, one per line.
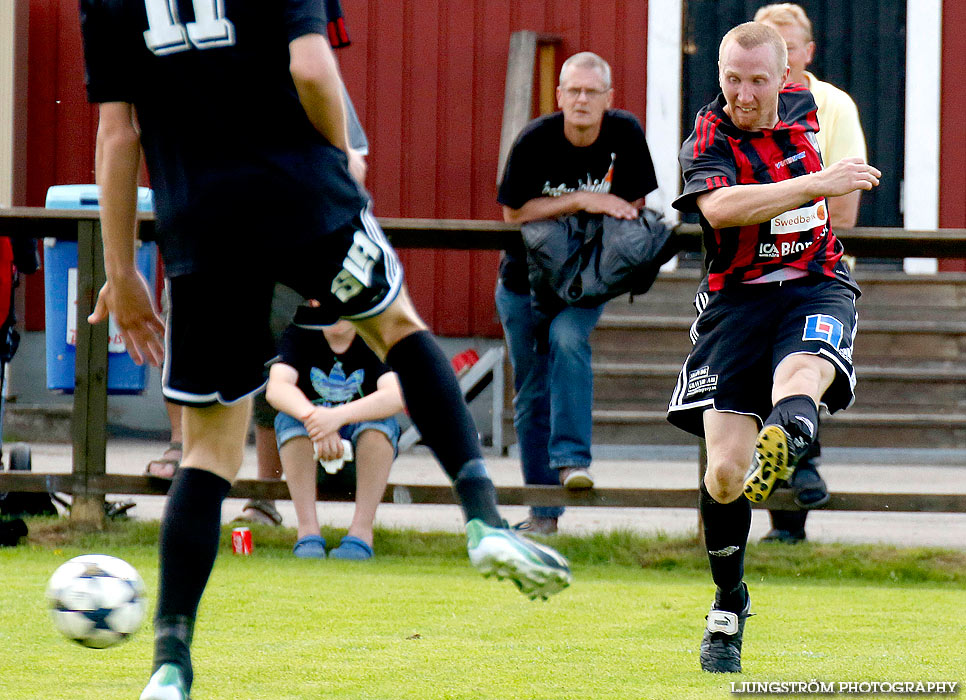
743 333
218 338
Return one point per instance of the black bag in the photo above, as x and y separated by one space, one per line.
18 504
584 260
11 531
25 255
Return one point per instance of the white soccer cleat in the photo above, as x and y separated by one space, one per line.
537 570
167 683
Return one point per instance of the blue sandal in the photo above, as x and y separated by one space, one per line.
310 547
352 548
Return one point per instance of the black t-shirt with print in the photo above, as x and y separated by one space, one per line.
543 163
327 378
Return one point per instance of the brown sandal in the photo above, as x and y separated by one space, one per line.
258 510
165 462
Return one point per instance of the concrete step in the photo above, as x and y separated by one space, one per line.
847 429
910 350
885 295
885 312
665 338
933 389
947 289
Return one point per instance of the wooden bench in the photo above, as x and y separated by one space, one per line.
89 481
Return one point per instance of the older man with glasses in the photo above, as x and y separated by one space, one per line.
587 158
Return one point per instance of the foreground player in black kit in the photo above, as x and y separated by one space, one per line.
776 314
238 107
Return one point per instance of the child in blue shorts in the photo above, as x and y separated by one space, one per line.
329 387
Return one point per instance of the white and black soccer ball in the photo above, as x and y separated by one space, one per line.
96 600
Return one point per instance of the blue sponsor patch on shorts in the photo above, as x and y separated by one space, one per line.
823 327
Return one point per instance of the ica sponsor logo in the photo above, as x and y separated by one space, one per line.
768 250
801 219
780 250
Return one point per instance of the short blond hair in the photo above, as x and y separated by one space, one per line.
751 35
587 59
784 14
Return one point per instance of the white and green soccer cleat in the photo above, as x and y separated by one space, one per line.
167 683
537 570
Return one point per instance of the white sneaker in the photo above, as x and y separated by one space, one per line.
576 478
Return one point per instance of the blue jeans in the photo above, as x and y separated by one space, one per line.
554 393
287 427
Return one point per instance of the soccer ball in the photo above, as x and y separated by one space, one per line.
96 600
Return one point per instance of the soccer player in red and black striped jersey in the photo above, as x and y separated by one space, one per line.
776 313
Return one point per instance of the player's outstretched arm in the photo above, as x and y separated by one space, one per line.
125 295
846 176
742 205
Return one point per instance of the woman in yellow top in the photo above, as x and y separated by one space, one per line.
839 136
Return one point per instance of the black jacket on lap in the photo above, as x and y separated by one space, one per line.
585 260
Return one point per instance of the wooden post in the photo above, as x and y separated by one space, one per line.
518 92
14 16
90 381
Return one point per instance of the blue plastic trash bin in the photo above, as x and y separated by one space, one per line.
60 298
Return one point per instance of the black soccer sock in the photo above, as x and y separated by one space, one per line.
798 415
190 529
434 401
172 644
726 527
477 494
436 406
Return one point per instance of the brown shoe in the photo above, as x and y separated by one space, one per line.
261 511
576 478
535 525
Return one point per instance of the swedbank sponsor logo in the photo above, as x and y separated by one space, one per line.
801 219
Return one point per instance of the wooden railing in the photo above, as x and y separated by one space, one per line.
88 481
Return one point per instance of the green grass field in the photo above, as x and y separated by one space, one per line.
418 623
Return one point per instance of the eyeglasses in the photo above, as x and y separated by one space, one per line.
591 93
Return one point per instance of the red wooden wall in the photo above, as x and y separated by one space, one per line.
952 141
427 78
60 123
